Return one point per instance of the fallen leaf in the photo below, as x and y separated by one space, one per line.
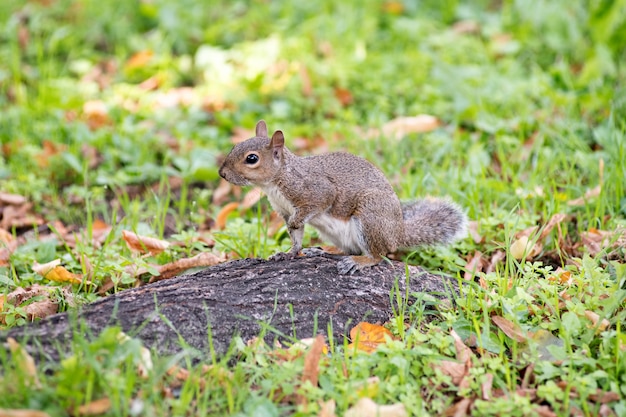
5 412
139 60
455 370
554 220
496 258
510 329
311 369
472 227
144 244
601 325
402 126
365 407
393 7
544 411
95 408
344 96
177 267
43 269
220 194
220 219
459 409
251 198
474 266
486 386
41 309
327 409
96 114
24 362
367 337
522 247
60 274
463 27
463 353
12 199
581 201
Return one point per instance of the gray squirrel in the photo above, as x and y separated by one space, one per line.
346 198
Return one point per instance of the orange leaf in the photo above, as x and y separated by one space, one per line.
139 60
220 219
144 244
95 408
402 126
368 337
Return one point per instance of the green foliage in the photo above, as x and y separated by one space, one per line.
104 103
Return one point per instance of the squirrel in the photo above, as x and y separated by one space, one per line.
345 197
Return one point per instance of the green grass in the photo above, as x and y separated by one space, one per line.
531 100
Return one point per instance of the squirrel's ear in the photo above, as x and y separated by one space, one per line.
277 143
261 129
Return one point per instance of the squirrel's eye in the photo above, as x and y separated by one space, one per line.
252 159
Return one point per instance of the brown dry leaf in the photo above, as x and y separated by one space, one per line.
220 219
19 216
5 237
472 227
139 60
474 266
41 309
96 114
459 409
24 362
455 370
597 240
554 220
604 396
545 411
601 325
466 27
220 194
367 337
144 244
5 412
365 407
402 126
463 353
486 386
251 198
344 96
497 257
95 408
177 267
327 409
311 369
581 201
510 329
307 85
521 248
11 199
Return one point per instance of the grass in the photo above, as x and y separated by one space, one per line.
115 114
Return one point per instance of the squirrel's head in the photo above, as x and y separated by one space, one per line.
255 161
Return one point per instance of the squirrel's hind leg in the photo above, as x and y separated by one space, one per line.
348 265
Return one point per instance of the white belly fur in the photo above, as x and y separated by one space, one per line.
345 234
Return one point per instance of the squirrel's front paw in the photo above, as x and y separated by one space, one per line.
282 256
347 266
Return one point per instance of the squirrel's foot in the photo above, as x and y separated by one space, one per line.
314 252
282 256
348 265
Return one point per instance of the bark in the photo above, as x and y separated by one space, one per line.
290 299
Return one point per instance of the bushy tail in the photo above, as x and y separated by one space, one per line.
432 221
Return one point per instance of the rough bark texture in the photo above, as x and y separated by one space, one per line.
236 298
